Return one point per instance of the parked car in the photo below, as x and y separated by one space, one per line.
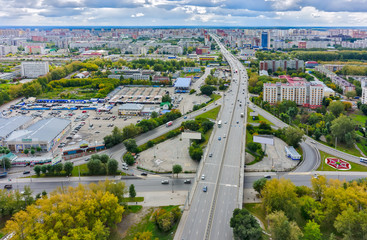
203 177
205 189
8 186
144 174
26 172
219 138
267 176
210 154
165 182
187 181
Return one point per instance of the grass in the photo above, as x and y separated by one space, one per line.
207 136
215 97
134 208
135 199
261 118
359 117
83 169
147 225
256 210
324 167
344 148
211 114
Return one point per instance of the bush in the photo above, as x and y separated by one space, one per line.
129 159
192 91
253 147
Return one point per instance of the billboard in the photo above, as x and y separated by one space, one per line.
265 139
191 135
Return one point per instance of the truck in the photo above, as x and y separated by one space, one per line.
168 124
242 115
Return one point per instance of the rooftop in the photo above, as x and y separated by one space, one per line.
131 106
182 82
8 125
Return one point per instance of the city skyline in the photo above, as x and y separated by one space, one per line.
184 13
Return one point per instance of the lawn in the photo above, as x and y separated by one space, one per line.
147 225
324 167
215 97
134 208
359 117
83 169
135 199
256 210
211 114
344 148
207 137
261 118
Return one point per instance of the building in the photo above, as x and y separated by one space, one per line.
182 84
274 65
34 69
9 125
5 50
161 79
341 82
83 74
311 64
44 134
364 92
130 109
191 69
303 93
132 74
265 40
202 50
292 153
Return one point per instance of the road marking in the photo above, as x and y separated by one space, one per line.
229 185
299 173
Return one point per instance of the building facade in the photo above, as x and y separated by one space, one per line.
274 65
34 69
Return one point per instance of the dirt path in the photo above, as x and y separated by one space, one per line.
131 220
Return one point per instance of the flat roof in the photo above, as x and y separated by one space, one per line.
44 130
183 82
131 106
8 125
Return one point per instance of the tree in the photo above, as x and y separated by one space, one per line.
166 98
351 94
132 192
5 161
317 134
364 109
147 235
176 169
343 129
293 136
104 158
281 228
58 168
112 166
312 231
131 145
154 115
94 166
37 170
33 151
68 168
207 89
352 224
259 185
44 169
26 151
336 107
245 225
129 159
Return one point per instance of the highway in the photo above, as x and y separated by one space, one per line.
209 213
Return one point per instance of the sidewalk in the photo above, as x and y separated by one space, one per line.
156 199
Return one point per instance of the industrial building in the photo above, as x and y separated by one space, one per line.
44 133
132 109
182 85
34 69
9 125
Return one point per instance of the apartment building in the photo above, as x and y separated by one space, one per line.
341 82
364 91
273 65
307 94
34 69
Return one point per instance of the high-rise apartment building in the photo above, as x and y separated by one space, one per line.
265 40
303 93
34 69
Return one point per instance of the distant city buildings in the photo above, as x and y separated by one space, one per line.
364 92
34 69
274 65
304 93
339 81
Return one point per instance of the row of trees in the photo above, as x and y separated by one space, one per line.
331 205
54 170
102 165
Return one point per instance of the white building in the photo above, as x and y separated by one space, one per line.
34 69
364 92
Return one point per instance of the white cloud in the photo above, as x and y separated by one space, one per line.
137 15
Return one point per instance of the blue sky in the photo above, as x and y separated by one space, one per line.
183 12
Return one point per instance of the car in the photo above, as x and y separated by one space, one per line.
237 122
219 138
165 182
187 181
210 154
224 136
144 174
185 117
125 168
313 142
8 186
87 159
205 189
203 177
267 176
69 137
26 172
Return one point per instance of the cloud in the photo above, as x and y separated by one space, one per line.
137 15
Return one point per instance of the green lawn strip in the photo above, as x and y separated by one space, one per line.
215 97
343 148
261 118
359 117
134 208
256 210
362 147
355 166
135 199
211 114
83 169
207 137
147 225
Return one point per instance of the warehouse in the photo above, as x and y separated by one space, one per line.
9 125
44 134
182 85
130 109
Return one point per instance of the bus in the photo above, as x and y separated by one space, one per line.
363 160
220 123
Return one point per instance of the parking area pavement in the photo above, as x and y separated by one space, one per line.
163 156
276 159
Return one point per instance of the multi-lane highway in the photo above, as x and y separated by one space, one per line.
210 211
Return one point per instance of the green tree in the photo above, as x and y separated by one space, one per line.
44 169
154 115
166 98
26 151
94 166
336 107
5 161
207 89
112 166
343 129
281 228
245 225
33 151
293 136
352 224
176 169
58 167
132 192
131 145
68 168
37 170
312 231
129 159
104 158
259 185
351 94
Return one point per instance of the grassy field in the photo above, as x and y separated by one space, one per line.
134 208
207 136
261 118
324 167
83 169
256 210
135 199
359 117
344 148
211 114
215 96
147 225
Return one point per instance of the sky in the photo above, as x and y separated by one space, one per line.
252 13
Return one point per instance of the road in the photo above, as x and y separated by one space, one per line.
209 213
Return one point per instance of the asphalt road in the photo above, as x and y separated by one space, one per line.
209 212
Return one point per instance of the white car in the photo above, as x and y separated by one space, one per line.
203 177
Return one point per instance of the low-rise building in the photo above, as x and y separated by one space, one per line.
130 109
160 79
191 69
182 84
9 125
